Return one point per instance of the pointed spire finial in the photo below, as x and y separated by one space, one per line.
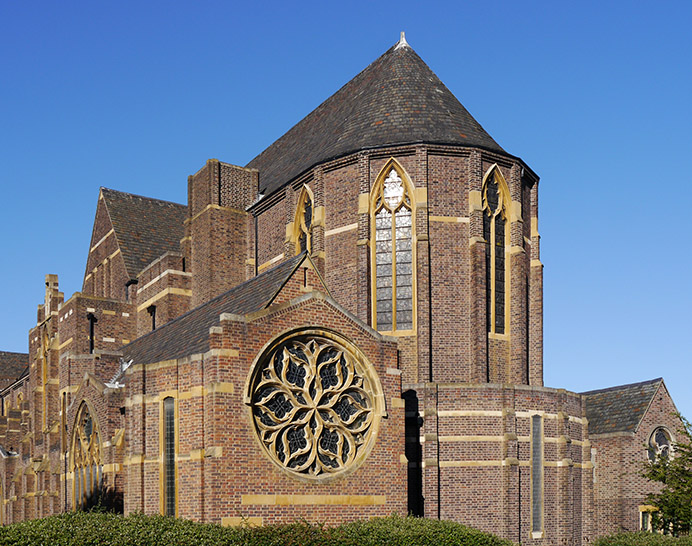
402 41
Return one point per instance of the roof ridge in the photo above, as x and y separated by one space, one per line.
622 387
141 196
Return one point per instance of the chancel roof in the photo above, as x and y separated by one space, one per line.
621 408
145 228
189 333
395 100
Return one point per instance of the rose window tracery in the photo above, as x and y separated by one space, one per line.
313 405
660 444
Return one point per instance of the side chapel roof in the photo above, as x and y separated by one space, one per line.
189 333
145 227
395 100
621 408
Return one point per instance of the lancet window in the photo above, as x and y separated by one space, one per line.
87 467
496 233
303 221
392 218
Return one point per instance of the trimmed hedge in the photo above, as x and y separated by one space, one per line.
106 529
642 539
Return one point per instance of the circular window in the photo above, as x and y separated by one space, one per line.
314 399
660 444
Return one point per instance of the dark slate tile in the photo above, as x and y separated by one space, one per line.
145 228
189 333
396 100
619 409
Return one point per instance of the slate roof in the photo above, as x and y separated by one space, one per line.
395 100
621 408
189 333
12 366
145 227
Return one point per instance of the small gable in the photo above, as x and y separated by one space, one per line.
620 408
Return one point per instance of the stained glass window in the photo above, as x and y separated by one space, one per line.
393 253
495 232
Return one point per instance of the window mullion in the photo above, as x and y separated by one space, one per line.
491 245
393 271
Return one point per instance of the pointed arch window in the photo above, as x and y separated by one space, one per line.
87 468
496 233
302 224
392 220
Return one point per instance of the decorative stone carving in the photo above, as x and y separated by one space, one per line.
314 405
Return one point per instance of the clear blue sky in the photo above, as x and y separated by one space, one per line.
595 96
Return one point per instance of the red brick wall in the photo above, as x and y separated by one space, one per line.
619 489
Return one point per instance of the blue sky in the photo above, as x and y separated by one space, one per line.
595 97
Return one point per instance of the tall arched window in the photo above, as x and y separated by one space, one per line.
87 468
302 224
392 213
496 232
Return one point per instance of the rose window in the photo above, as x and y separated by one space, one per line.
660 444
313 405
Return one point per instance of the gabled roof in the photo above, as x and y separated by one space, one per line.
145 228
12 366
621 408
189 333
395 100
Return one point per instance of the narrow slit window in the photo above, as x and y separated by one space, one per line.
393 253
536 474
169 456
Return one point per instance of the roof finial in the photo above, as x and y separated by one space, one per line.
402 41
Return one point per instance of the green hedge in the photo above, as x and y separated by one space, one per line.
105 529
642 539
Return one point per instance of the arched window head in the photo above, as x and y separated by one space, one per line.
660 444
392 215
85 457
496 232
302 225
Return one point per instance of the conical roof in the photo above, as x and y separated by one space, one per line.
395 100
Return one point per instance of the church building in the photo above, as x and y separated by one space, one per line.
349 326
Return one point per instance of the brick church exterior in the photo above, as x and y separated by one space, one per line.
349 326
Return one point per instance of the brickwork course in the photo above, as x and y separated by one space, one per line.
223 361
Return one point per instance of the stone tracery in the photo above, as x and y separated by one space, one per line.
312 405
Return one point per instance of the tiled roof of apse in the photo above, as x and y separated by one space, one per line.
621 408
189 333
145 228
395 100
